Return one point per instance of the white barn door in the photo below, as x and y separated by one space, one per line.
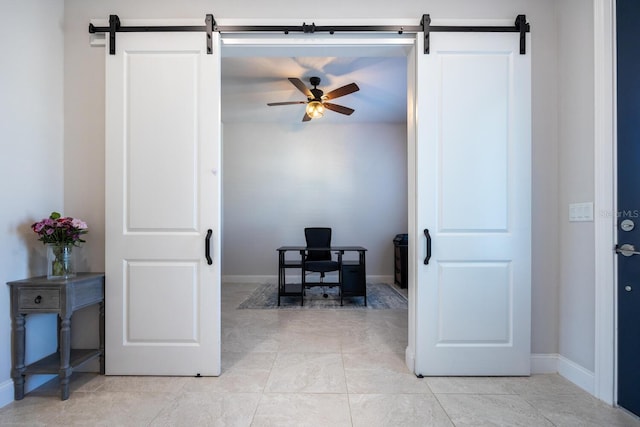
473 191
162 197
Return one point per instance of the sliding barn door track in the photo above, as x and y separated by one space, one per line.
520 26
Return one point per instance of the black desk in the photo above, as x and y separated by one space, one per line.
351 274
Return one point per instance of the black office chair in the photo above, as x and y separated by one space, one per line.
319 261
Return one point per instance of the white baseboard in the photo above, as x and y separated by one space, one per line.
249 279
556 363
578 375
544 363
293 278
410 359
380 279
32 382
6 392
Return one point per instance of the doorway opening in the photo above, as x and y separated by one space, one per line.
280 175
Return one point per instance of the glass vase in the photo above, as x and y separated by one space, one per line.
60 261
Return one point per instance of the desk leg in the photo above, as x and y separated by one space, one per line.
303 283
280 274
65 355
101 332
340 253
364 275
17 373
303 277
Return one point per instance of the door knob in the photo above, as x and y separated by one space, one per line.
628 288
627 250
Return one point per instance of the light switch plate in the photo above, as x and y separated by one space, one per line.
581 212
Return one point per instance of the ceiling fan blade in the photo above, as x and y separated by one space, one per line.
306 117
339 108
342 91
271 104
301 86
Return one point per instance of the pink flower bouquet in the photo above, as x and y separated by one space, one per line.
60 230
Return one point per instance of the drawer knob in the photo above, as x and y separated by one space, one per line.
38 299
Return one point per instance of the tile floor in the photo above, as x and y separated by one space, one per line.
313 368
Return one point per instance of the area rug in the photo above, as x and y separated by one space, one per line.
379 296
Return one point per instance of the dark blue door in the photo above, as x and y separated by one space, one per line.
628 13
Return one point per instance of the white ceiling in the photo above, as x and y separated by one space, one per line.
250 82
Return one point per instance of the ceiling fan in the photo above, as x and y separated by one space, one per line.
316 98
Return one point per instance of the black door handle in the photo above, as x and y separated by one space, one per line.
428 256
207 247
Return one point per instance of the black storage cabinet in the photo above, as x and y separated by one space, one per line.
354 282
400 248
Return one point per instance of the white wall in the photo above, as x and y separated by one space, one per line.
31 186
279 179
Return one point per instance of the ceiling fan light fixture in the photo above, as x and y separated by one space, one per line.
315 109
315 98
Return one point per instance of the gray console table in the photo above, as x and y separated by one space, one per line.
64 296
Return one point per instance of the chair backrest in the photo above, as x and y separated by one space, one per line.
319 237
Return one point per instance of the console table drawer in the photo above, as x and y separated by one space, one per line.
41 299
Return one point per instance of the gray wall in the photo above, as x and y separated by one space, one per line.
576 183
278 180
31 163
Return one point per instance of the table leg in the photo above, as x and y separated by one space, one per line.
17 373
65 355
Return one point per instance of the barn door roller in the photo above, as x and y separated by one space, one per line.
520 26
115 27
